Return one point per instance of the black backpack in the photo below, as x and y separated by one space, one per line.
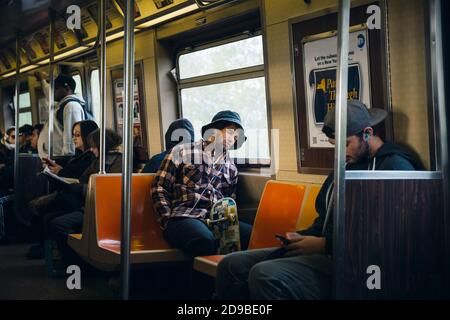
60 113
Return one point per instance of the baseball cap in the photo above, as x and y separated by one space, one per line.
64 80
358 118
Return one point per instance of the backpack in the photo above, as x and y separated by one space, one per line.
60 113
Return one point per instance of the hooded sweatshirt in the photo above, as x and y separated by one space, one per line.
62 133
390 156
172 138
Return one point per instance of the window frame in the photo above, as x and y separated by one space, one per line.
246 73
90 91
28 109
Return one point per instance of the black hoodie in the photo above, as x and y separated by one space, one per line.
389 157
155 162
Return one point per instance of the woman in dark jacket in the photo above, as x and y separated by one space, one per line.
63 225
83 156
71 197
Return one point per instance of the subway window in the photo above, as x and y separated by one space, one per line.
25 116
78 86
95 94
228 76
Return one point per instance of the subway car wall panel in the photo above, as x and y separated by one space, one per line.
395 228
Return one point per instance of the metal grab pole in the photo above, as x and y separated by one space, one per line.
339 151
16 123
127 156
439 106
51 92
102 86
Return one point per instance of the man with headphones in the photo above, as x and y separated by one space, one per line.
301 268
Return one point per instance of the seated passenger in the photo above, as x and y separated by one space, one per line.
7 148
72 197
172 137
83 156
25 134
35 137
302 269
192 177
72 221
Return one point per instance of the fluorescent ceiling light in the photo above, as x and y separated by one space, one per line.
168 16
24 69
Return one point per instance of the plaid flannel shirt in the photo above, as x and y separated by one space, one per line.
187 172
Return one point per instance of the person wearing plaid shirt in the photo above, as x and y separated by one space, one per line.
192 177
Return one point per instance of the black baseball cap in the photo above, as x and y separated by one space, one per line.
358 118
26 130
64 80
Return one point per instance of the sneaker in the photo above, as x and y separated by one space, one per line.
35 252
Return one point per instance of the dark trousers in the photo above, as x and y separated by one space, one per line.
61 227
46 208
196 239
261 275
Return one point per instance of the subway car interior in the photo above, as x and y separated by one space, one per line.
224 149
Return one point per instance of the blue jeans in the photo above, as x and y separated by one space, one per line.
194 237
258 274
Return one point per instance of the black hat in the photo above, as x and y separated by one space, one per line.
358 118
64 80
225 116
26 130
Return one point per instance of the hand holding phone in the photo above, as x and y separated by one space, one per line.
284 240
48 162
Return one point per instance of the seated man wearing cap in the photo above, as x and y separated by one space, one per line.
70 109
192 177
302 269
25 135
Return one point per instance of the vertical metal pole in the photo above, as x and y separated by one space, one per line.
339 151
102 26
438 94
51 99
127 156
16 123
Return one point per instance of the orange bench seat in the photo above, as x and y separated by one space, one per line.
283 207
99 243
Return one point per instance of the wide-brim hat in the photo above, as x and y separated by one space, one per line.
226 116
358 118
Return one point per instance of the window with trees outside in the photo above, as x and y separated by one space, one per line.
228 75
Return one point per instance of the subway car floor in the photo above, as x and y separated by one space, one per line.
22 279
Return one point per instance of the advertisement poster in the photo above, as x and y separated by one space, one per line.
118 99
320 63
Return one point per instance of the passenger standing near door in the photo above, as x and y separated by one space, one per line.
302 269
68 110
192 177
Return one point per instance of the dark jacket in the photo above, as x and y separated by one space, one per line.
77 165
27 149
154 163
75 194
6 155
389 157
113 164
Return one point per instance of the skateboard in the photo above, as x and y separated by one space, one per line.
224 223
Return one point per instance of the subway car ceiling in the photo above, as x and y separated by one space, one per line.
162 33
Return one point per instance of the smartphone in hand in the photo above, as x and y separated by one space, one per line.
284 240
48 162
